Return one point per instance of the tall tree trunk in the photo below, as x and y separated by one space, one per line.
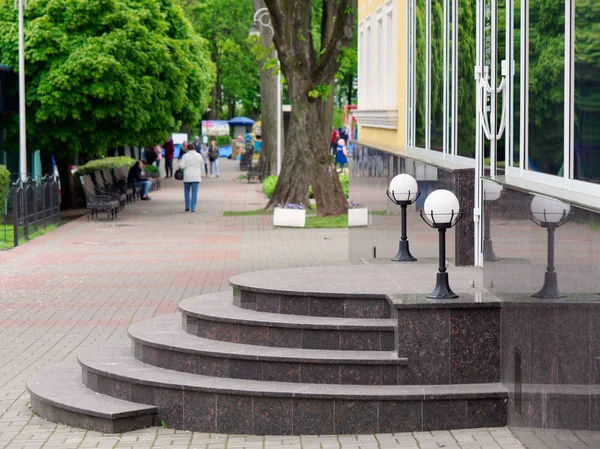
307 157
268 101
307 160
350 90
67 187
215 103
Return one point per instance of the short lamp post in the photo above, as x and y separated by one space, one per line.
491 192
441 211
550 214
403 191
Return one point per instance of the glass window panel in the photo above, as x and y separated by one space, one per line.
437 75
587 91
420 73
546 85
466 81
500 56
516 82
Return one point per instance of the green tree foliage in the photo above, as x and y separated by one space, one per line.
225 24
4 186
107 73
466 81
546 85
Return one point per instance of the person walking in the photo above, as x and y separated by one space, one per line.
198 144
191 164
334 139
213 158
169 154
204 154
183 149
136 178
341 154
158 152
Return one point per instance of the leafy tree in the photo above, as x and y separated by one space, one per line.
225 24
105 73
310 70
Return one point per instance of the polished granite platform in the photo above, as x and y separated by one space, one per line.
327 350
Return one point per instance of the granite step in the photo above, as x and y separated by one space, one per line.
215 317
225 405
58 395
161 342
332 292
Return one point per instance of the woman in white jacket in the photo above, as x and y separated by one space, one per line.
191 164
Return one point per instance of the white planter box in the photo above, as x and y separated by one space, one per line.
358 217
289 217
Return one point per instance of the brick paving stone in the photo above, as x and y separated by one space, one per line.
88 281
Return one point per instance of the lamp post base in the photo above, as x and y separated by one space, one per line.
442 288
404 254
488 252
550 288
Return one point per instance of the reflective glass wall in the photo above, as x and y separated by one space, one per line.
542 259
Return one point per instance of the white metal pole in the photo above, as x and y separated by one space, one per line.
22 130
278 121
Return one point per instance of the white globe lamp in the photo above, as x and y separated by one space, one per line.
546 210
403 190
441 211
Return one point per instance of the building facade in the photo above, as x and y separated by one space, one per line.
498 101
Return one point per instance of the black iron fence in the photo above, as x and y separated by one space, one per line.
32 205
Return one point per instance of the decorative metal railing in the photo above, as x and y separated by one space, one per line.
35 205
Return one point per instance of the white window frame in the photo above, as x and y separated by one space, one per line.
378 69
565 186
448 158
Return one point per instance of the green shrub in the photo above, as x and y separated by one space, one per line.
222 140
270 182
95 165
4 186
151 169
269 185
343 181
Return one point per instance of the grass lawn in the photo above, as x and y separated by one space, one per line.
7 235
312 221
336 221
246 213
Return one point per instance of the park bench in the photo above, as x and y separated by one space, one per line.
246 158
121 178
103 189
255 171
110 180
96 202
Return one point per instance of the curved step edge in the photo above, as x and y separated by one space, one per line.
208 404
220 307
113 359
165 332
161 342
58 395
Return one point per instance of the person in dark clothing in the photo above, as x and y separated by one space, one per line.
169 154
136 178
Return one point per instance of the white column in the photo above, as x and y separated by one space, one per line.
279 121
22 126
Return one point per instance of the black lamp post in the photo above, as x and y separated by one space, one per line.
550 214
441 211
491 192
403 191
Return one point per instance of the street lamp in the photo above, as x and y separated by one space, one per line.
22 125
491 192
441 211
403 191
262 19
550 214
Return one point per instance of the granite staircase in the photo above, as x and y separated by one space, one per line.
273 358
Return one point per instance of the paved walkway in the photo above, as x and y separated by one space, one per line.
86 282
